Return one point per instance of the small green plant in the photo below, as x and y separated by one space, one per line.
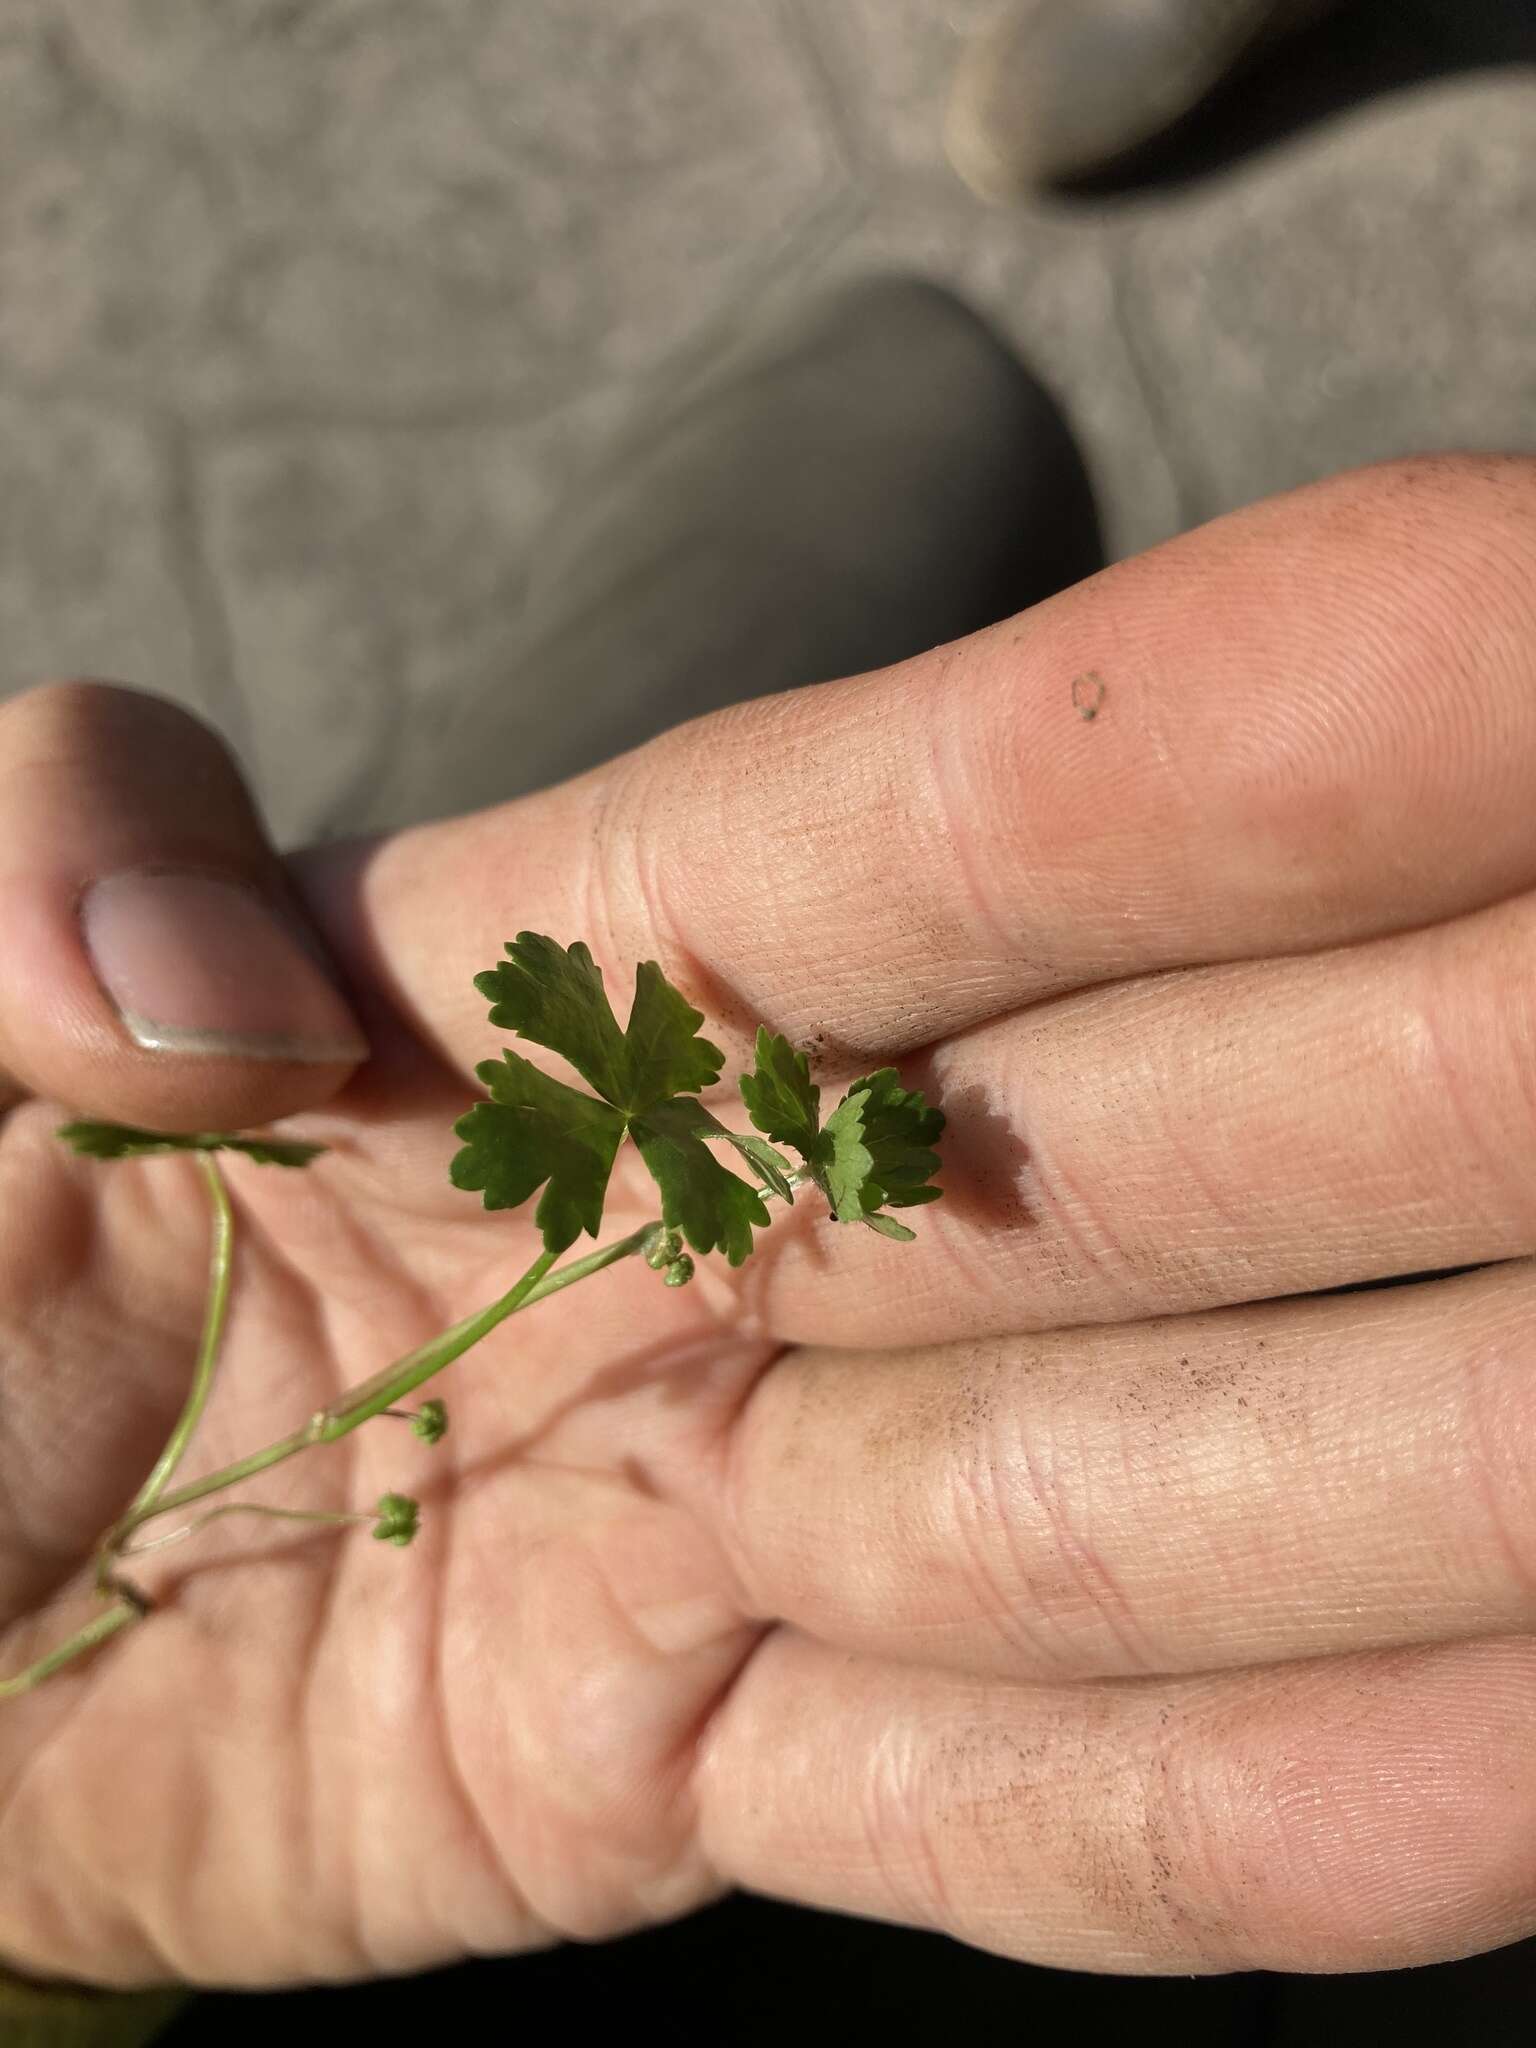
872 1154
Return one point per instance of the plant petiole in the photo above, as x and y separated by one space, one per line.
220 1266
240 1507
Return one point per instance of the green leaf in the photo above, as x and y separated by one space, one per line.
127 1141
534 1131
898 1131
874 1149
879 1149
556 998
781 1098
772 1167
889 1227
665 1055
699 1197
901 1130
846 1163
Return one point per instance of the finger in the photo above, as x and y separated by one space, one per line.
1360 1813
158 969
1318 724
1343 1473
1205 1136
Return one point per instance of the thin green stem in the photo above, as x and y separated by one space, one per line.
97 1631
385 1389
215 1310
359 1405
220 1263
242 1507
594 1262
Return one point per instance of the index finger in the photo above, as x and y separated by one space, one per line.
1312 721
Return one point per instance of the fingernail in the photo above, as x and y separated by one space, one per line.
198 964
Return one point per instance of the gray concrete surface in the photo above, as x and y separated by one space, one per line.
312 310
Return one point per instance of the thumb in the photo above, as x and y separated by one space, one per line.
157 969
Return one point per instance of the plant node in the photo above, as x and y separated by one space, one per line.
664 1250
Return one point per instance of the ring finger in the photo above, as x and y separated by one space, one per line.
1240 1487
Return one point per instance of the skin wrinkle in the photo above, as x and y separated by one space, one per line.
1174 1139
1179 1842
945 766
1150 708
732 1492
1097 1588
942 1915
1373 1769
1064 1203
307 1823
694 1753
372 1247
13 1795
1446 1081
80 1248
1484 1440
597 888
1300 1882
994 1601
890 1791
947 1241
1449 1081
300 1838
191 1822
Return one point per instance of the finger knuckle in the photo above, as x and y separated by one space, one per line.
1031 1557
1495 1447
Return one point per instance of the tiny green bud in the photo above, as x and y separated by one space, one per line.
680 1272
430 1422
399 1517
664 1250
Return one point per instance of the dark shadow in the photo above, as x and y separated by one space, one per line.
987 1166
1394 1280
1364 50
752 1973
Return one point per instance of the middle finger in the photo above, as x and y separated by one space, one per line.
1201 1137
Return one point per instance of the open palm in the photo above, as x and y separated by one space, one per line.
348 1758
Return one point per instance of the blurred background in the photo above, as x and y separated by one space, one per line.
312 312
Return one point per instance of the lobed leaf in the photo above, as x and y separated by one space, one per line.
781 1098
897 1130
709 1205
555 996
875 1150
536 1132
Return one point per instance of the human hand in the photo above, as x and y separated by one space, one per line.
1047 1581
